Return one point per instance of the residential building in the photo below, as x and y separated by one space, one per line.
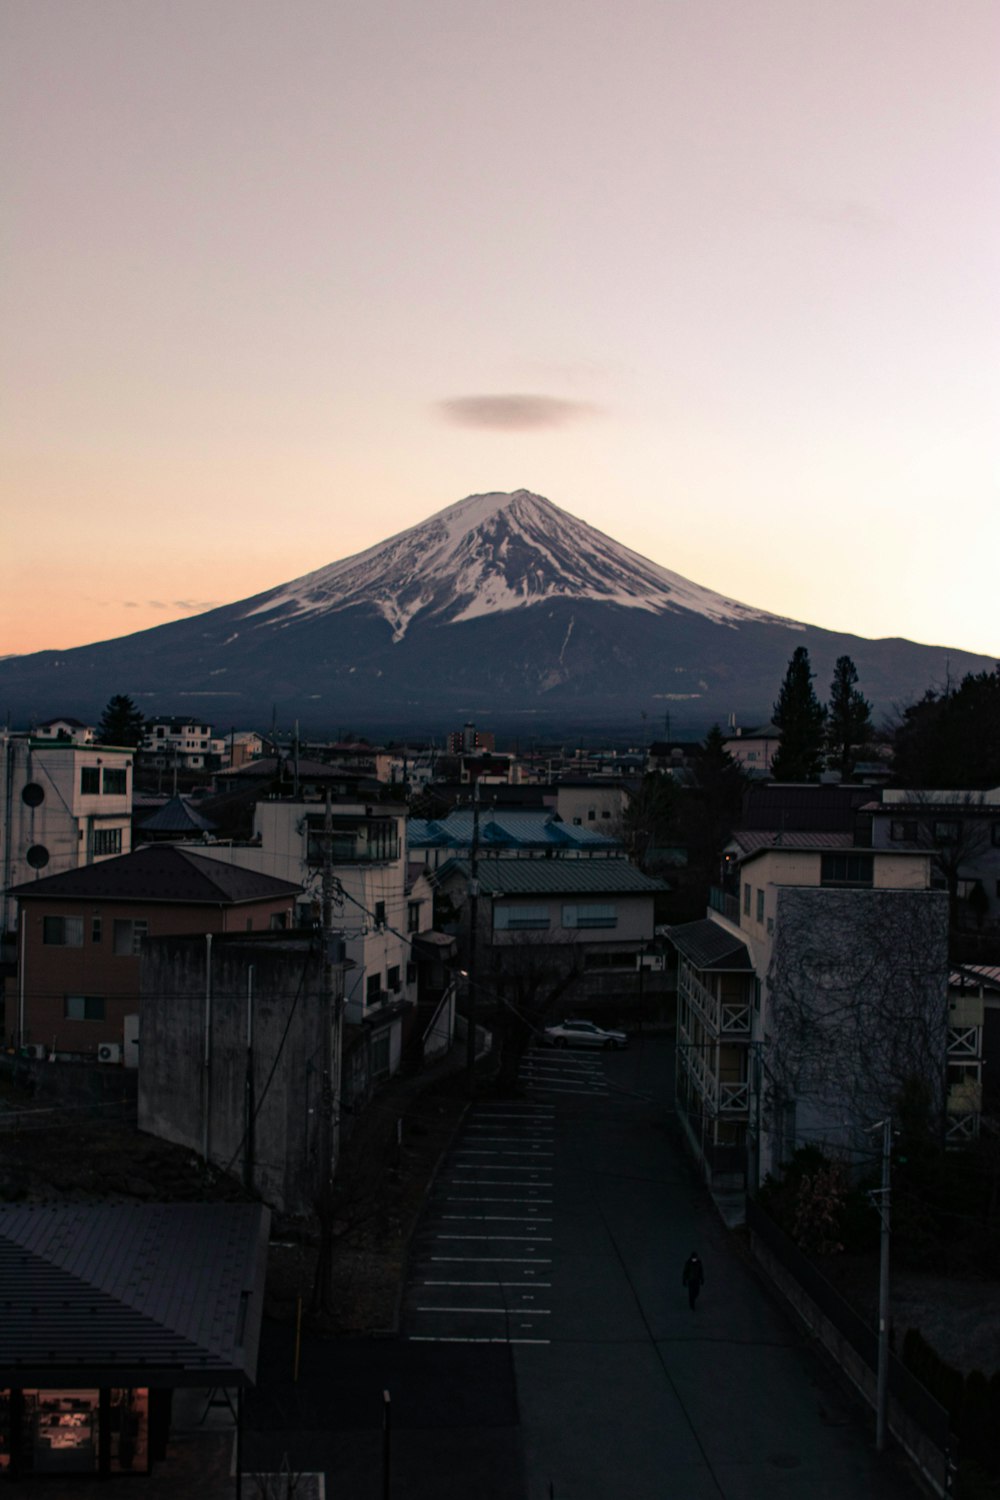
961 830
63 805
81 936
370 880
601 800
754 749
973 1079
592 919
182 744
538 834
64 728
469 738
807 997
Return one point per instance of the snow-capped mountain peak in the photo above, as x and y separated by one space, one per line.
488 554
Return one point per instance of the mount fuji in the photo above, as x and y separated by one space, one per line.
502 607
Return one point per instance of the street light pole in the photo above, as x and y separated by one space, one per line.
881 1198
470 1009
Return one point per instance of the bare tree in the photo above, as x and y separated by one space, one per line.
856 1006
531 973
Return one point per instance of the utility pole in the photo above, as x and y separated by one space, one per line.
249 1104
470 1010
881 1197
331 1025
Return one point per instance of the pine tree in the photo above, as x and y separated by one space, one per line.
121 723
849 718
800 719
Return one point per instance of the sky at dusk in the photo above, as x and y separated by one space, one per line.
717 276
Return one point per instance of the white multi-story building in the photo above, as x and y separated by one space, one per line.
180 743
373 910
808 1001
62 805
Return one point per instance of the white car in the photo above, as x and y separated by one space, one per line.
584 1034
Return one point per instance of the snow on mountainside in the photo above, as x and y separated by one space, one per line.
488 554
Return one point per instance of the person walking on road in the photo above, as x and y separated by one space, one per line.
693 1277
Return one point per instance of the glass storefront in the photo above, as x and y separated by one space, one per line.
74 1431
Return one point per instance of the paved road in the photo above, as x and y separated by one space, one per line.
558 1228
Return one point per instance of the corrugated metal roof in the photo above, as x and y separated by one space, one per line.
506 877
168 1289
159 873
516 829
707 945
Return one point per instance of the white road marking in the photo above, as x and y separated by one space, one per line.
510 1285
495 1218
494 1237
492 1260
500 1312
428 1338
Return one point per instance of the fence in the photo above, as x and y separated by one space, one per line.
919 1422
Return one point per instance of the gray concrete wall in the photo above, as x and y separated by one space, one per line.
182 1100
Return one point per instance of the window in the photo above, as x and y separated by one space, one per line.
373 989
592 915
90 780
392 979
83 1008
946 830
903 830
107 841
380 1054
847 869
379 913
995 835
62 932
577 822
413 916
606 814
128 938
278 921
747 894
520 918
760 906
115 780
95 929
591 815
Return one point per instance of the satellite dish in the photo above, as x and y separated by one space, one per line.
33 794
37 856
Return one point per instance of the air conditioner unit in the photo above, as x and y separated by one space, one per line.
35 1049
109 1052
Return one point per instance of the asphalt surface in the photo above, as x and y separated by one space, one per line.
547 1349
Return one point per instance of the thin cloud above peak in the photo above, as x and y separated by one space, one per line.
514 413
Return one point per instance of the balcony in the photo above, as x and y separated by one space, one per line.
354 841
726 905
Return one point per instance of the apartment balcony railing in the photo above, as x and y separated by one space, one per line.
729 1017
726 905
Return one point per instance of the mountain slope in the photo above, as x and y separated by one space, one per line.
488 554
502 607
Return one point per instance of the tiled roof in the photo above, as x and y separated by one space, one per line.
172 1290
508 877
749 840
708 945
987 975
159 873
176 816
